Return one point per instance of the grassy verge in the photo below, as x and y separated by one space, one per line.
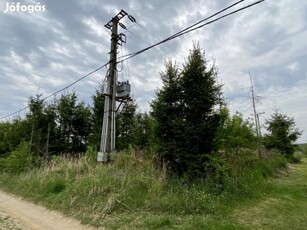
132 193
284 208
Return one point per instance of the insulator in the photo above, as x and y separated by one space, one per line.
131 18
122 26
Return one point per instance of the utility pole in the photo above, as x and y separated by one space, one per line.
256 115
259 127
254 105
47 144
107 144
31 139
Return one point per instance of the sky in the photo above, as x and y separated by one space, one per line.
48 44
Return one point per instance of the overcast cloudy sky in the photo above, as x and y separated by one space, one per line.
61 41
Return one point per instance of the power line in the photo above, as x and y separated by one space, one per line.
190 28
178 34
60 90
152 34
137 47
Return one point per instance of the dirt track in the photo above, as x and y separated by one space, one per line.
16 213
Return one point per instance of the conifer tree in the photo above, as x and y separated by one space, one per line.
282 133
97 117
167 110
187 114
125 123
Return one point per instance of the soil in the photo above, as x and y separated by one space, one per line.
16 213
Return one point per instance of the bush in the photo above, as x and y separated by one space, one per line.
19 160
132 183
242 172
56 185
282 134
297 157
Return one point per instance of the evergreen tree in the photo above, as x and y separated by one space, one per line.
125 123
144 131
65 110
5 128
74 121
81 127
282 134
187 114
201 99
38 121
167 109
18 131
97 118
52 129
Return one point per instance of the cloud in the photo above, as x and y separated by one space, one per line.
49 50
292 67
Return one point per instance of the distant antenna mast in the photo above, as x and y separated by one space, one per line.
254 105
256 116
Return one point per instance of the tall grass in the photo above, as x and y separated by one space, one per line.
133 184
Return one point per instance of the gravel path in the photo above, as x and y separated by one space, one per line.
6 222
16 213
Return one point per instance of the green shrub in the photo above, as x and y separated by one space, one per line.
91 155
297 157
132 183
244 171
55 185
19 160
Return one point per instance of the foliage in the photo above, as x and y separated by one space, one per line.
69 126
186 113
4 140
125 124
74 123
166 109
12 134
133 186
235 133
19 160
134 129
282 134
40 124
144 131
97 112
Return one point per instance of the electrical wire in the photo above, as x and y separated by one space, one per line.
190 28
153 36
60 90
129 56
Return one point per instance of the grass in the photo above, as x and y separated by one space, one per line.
132 193
284 208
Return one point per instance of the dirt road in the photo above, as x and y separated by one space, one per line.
16 213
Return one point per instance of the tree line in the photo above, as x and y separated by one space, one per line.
69 126
189 125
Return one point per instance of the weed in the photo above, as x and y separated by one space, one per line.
55 186
19 160
139 194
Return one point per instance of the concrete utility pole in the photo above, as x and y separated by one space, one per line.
107 145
